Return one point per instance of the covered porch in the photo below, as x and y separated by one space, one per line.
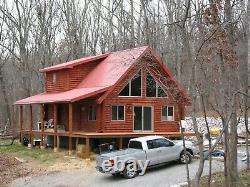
59 120
58 114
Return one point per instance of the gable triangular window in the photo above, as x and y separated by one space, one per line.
133 88
153 89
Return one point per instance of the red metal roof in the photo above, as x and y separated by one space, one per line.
103 78
111 69
73 63
113 66
68 96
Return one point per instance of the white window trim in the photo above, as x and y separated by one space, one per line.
117 113
92 113
157 86
167 113
129 87
152 120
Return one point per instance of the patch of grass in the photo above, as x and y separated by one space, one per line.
41 155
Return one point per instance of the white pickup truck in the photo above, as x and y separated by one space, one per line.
152 149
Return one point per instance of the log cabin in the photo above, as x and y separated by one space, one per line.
119 95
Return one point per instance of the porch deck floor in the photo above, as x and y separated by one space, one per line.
84 134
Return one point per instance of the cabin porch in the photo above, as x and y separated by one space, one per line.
58 120
71 123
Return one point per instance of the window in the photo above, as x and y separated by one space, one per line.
125 91
54 78
161 92
162 142
117 113
92 113
167 113
153 88
150 144
135 145
133 88
136 85
156 143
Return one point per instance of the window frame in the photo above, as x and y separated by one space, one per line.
117 113
161 139
152 116
141 146
167 113
129 87
157 87
93 107
54 78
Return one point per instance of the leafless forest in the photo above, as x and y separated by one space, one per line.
204 43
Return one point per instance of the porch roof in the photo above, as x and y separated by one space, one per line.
62 97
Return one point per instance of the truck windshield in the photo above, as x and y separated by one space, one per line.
135 145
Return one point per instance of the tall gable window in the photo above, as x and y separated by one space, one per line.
160 92
133 88
153 88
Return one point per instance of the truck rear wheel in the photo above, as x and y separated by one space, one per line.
129 171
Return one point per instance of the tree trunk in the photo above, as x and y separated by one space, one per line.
5 97
247 80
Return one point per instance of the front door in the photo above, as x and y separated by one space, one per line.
143 118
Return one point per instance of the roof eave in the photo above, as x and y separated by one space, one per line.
49 69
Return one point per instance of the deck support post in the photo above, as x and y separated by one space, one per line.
55 126
120 143
21 123
30 125
58 142
77 140
42 124
87 147
70 127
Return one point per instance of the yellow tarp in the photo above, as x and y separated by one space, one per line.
215 131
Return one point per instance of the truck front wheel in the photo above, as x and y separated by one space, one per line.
185 159
129 171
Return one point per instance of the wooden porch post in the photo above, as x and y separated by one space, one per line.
42 124
55 126
120 143
30 125
70 127
87 147
21 122
99 118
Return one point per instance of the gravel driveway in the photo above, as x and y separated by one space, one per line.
166 175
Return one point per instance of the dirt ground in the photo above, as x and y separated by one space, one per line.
13 167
